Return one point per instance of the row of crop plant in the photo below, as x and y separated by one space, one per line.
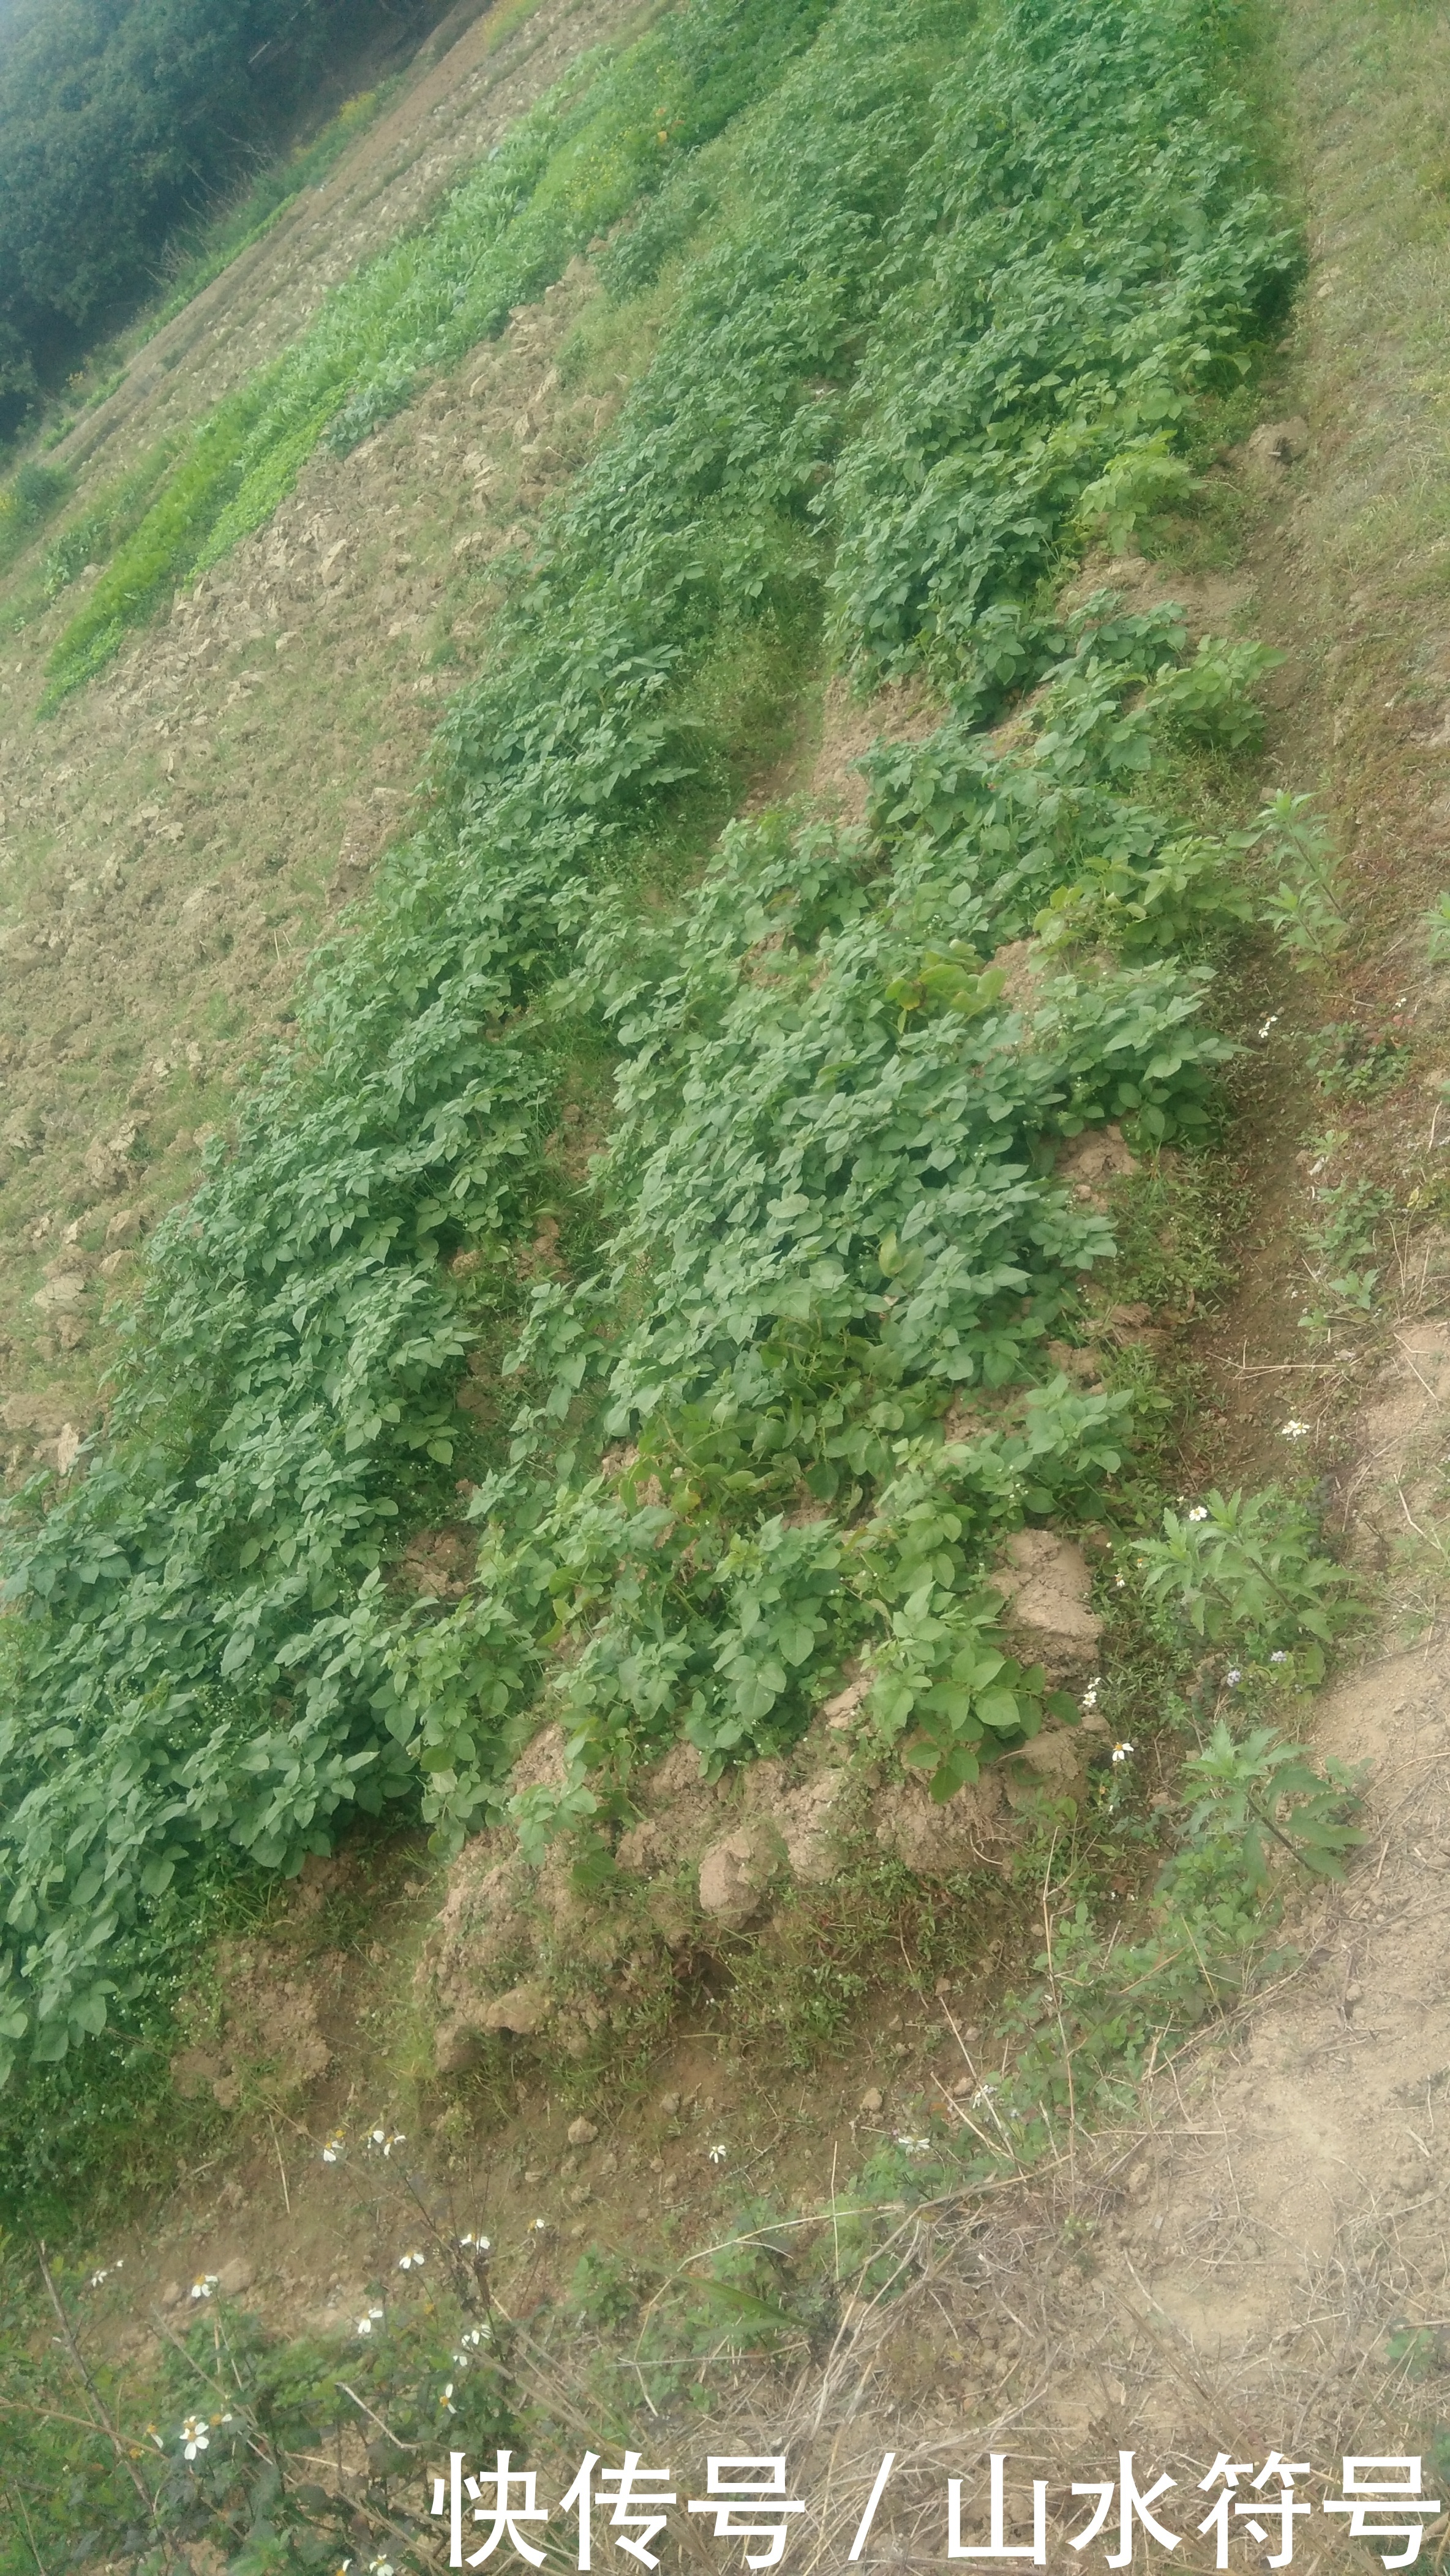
953 281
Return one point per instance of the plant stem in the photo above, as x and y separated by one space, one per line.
102 2419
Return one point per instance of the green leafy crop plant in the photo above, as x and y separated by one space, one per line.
1100 257
792 1388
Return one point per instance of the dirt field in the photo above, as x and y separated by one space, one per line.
172 842
448 117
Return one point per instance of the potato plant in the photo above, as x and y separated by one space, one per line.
955 272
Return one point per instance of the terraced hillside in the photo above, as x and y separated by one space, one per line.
672 911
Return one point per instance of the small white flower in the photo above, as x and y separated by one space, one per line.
1120 1582
193 2435
366 2324
1122 1751
334 2148
153 2435
539 2226
1233 1676
480 2244
1278 1656
1199 1512
718 2152
982 2098
98 2277
203 2286
1090 1696
410 2262
446 2400
386 2139
380 2567
1271 1022
914 2146
1293 1430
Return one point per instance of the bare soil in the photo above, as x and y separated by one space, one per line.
388 183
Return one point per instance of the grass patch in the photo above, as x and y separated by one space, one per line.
106 522
32 496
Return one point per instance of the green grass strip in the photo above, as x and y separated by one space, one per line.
607 135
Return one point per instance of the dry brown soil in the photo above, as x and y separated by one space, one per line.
446 120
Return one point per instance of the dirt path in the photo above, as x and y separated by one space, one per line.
1278 2245
1316 2218
1269 2258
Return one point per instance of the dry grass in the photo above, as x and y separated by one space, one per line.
1020 2322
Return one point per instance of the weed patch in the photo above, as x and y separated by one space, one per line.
1355 1063
33 495
1250 1568
1339 1244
